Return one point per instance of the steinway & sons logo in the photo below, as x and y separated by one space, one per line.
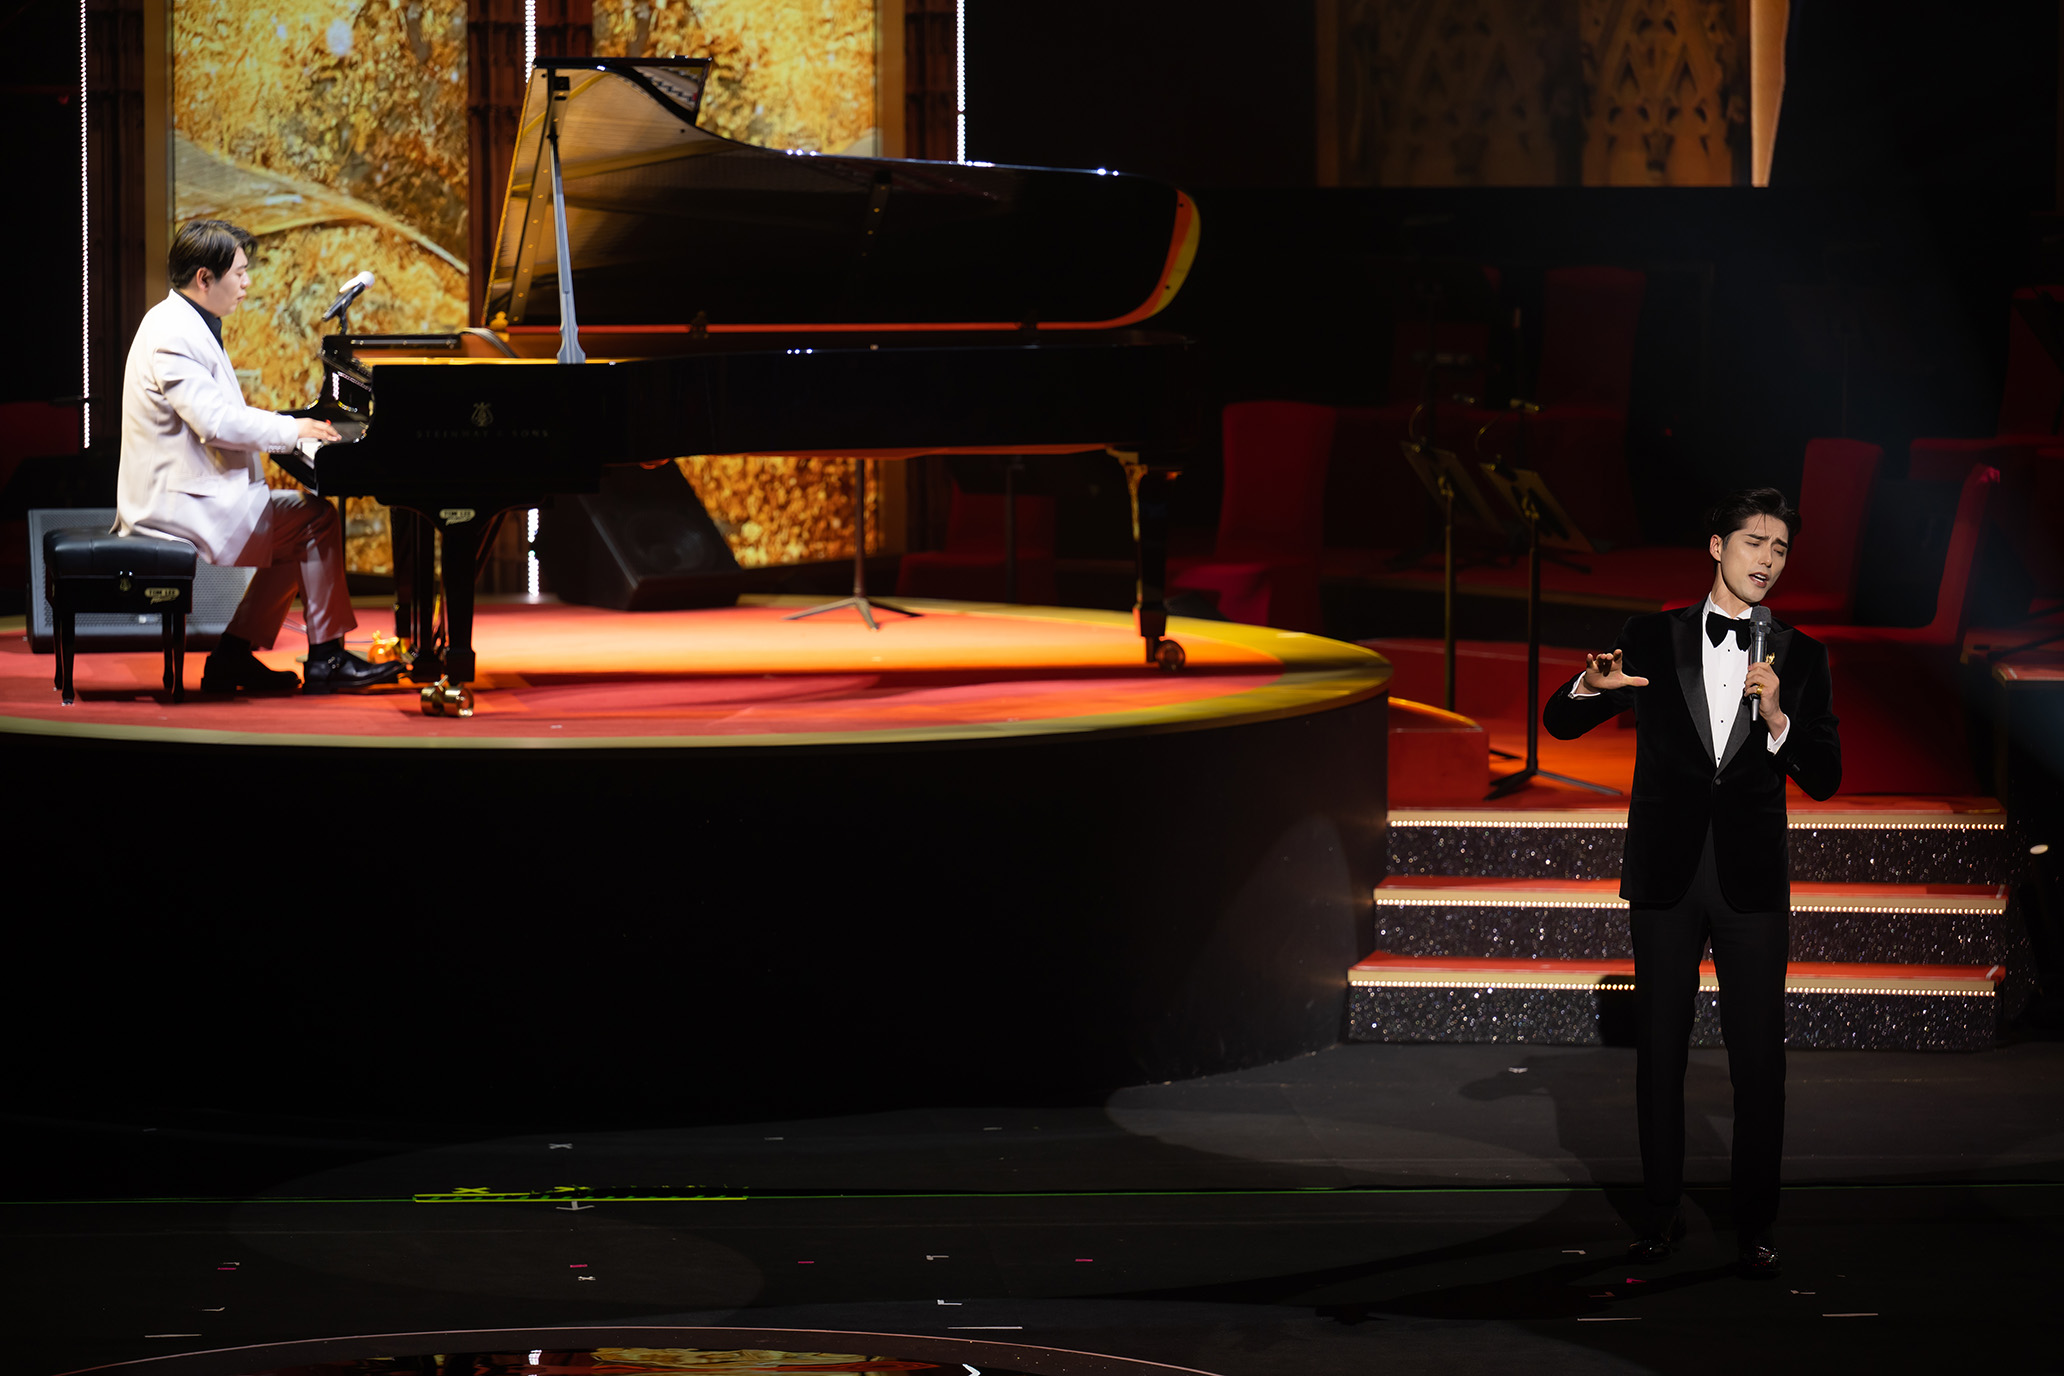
481 418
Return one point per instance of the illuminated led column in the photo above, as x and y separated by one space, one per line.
85 260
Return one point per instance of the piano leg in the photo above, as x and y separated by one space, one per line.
461 563
1149 487
415 591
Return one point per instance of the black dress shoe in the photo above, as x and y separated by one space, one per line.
1760 1262
348 674
241 672
1656 1246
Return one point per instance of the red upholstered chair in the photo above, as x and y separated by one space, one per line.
1903 725
1819 583
970 568
2031 405
1372 500
1579 441
1264 567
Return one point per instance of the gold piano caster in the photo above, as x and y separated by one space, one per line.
1169 656
442 699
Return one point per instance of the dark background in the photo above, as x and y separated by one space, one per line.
1916 156
1915 146
39 109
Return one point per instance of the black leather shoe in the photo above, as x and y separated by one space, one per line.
243 673
1760 1262
348 674
1656 1246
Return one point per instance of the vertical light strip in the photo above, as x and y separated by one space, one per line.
960 80
530 559
530 517
85 258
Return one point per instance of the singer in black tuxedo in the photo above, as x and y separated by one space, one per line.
1705 858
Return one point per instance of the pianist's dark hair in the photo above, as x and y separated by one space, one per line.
210 244
1737 509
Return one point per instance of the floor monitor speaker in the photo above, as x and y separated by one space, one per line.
642 543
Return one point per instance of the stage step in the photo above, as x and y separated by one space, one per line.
1589 1002
1581 919
1964 842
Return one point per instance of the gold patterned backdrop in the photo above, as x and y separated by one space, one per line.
787 73
1533 92
337 134
786 511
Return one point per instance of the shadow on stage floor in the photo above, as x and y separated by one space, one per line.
1368 1208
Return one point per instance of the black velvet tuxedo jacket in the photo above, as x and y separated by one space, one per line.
1678 792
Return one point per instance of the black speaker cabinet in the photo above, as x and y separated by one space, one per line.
642 543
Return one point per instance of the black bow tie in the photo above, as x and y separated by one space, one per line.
1718 626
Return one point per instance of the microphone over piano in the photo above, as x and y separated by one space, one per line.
347 294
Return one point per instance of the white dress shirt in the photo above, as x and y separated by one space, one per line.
1725 670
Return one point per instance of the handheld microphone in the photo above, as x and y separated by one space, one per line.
1759 637
347 294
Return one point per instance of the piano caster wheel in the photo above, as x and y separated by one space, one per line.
440 699
1169 656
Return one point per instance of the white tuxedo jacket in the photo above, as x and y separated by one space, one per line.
190 447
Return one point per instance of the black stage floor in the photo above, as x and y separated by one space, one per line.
1370 1208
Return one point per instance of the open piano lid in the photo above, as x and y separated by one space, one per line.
667 222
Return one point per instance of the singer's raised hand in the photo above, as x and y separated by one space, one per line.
1604 672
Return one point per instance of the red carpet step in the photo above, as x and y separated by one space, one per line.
1435 757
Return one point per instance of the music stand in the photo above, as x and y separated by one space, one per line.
1436 290
1548 523
859 601
1444 477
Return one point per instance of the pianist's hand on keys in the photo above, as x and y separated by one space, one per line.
314 434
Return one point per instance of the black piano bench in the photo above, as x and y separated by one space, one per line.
87 571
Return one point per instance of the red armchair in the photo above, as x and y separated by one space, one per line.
1896 690
2031 505
1578 443
970 567
1819 583
1264 567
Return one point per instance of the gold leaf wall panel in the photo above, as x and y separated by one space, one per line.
785 511
366 97
788 73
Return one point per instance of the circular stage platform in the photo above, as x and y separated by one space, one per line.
681 858
642 1350
741 676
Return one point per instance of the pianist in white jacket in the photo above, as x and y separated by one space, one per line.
191 470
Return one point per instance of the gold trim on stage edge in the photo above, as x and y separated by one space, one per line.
1318 674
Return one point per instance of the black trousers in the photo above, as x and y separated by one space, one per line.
1749 952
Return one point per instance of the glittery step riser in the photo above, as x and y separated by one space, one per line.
1842 853
1906 938
1591 1017
1967 938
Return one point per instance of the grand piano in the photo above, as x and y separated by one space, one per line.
660 291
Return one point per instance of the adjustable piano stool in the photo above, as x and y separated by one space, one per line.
89 570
